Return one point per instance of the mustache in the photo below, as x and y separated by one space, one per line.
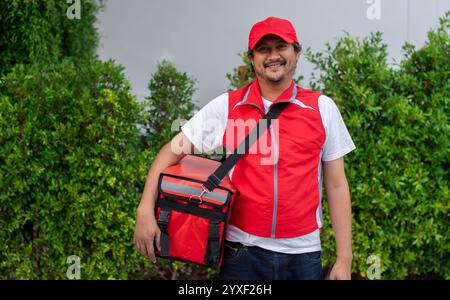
278 61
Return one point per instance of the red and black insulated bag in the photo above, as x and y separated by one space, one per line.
193 224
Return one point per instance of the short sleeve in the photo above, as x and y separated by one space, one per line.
206 128
338 141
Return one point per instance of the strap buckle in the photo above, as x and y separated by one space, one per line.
163 220
198 198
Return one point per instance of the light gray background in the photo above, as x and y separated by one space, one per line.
203 37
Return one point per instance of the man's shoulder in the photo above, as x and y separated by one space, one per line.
218 104
308 97
315 98
238 94
303 93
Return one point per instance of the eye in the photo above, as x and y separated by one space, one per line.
282 46
263 49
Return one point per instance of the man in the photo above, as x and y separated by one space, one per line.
274 230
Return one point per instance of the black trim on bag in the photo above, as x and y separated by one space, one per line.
163 224
213 245
193 210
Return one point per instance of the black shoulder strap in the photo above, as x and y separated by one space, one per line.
215 178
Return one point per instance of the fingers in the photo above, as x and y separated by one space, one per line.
136 244
145 236
145 248
150 251
158 240
330 272
141 248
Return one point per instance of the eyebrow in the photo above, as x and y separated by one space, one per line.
280 41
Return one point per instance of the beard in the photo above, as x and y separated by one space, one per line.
284 69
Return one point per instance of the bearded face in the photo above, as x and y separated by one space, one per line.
274 60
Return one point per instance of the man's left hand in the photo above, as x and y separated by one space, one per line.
341 270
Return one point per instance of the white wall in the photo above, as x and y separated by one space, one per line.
203 37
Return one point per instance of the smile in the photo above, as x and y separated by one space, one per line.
274 65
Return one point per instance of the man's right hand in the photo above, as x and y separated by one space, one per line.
145 233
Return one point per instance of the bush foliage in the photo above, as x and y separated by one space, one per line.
41 30
170 101
71 172
398 175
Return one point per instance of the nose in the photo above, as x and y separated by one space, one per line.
273 55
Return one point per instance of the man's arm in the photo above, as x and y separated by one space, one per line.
147 230
339 206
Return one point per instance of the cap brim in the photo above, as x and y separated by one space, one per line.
284 38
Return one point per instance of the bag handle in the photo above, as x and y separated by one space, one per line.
216 177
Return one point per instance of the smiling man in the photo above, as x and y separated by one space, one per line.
276 69
275 224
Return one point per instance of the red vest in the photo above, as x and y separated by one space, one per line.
278 190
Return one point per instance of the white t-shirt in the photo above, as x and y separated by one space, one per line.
205 131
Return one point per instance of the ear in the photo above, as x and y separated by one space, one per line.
252 60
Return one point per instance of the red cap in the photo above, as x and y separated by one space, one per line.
271 25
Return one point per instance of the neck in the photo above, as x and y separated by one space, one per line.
271 91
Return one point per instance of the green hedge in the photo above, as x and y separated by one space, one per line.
41 30
398 175
71 172
169 102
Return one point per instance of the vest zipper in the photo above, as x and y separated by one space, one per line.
276 154
275 182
